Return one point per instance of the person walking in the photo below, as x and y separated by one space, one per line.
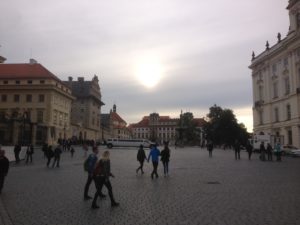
262 152
278 151
154 154
57 152
141 157
72 150
90 164
269 152
45 149
237 150
17 151
101 176
165 158
29 153
49 154
4 166
210 147
249 149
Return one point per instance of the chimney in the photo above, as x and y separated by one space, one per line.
80 79
70 79
2 59
32 61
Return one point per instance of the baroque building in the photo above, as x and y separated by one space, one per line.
114 126
276 84
160 128
35 105
86 109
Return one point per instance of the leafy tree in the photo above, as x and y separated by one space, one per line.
223 127
187 129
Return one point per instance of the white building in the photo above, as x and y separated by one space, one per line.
276 84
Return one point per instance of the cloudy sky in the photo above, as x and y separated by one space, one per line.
159 56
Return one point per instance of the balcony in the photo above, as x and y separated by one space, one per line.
258 104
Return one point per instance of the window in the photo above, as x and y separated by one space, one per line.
290 137
42 81
260 93
29 82
285 62
55 117
40 116
275 90
288 112
5 82
3 98
260 114
274 68
16 98
28 98
17 82
41 98
276 114
287 85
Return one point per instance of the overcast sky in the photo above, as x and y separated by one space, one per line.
196 52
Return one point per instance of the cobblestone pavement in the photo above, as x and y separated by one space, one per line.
199 190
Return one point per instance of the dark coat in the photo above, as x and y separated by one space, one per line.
141 155
4 165
165 155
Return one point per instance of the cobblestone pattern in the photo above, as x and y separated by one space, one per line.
199 190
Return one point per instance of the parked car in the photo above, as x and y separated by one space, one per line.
288 149
295 153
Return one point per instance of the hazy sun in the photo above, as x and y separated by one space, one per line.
148 72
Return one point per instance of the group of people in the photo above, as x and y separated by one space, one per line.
154 154
269 152
264 151
99 172
49 153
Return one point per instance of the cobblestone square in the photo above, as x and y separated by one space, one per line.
200 190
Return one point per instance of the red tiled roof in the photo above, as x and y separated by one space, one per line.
116 117
25 71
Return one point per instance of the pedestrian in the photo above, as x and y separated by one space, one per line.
269 152
165 158
72 151
262 149
49 154
141 156
89 166
210 147
17 151
57 152
45 149
101 177
249 149
29 153
237 150
278 151
154 154
4 166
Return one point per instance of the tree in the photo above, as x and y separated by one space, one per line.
187 129
223 127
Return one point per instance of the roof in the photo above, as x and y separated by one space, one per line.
26 71
115 117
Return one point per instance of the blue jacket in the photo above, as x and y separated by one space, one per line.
92 159
154 153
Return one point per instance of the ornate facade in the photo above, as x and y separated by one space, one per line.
276 84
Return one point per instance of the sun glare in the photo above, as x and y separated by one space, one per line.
148 72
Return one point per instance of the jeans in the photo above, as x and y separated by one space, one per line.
155 165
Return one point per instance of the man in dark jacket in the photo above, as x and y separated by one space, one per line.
141 156
57 152
4 165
